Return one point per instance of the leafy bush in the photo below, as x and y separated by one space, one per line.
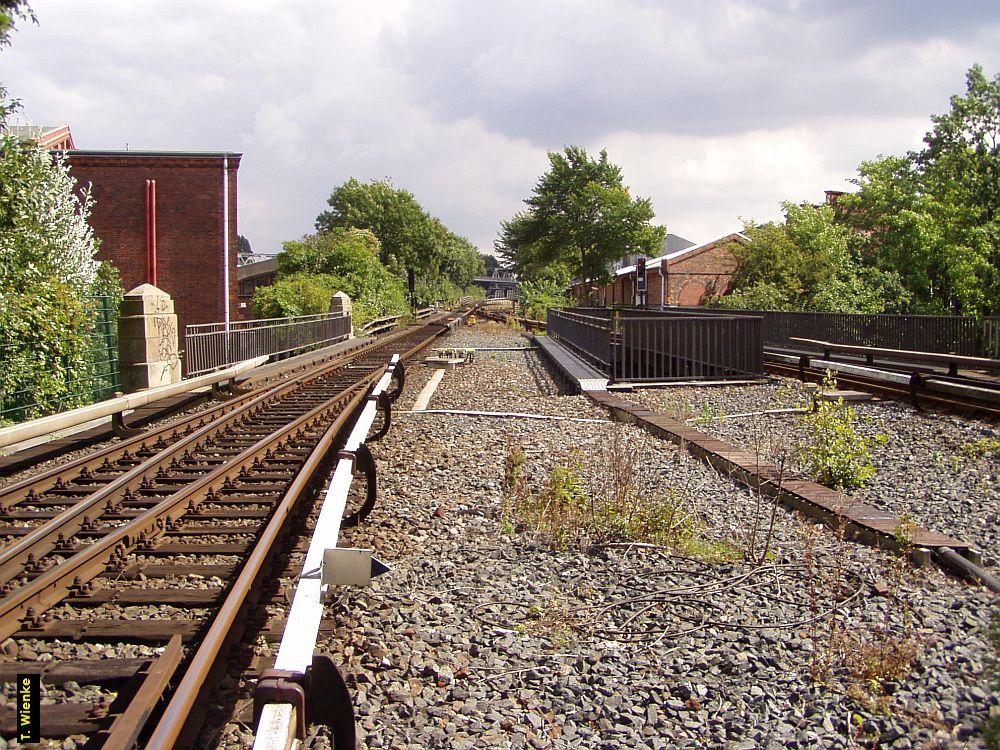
47 272
311 270
541 294
298 294
838 455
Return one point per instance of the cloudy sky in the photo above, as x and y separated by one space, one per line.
715 110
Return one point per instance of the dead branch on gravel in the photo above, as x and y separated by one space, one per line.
757 544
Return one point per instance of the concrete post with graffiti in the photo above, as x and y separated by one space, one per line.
147 340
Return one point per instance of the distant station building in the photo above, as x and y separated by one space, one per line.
260 271
51 137
163 217
686 274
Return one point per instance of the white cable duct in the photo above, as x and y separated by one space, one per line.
276 728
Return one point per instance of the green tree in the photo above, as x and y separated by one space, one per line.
312 269
807 263
444 262
243 245
931 217
580 217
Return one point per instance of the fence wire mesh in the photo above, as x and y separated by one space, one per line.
41 374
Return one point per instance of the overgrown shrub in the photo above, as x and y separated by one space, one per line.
48 357
311 270
539 295
838 455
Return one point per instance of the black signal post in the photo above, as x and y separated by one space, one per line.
640 283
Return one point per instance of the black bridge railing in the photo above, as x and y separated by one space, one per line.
589 335
947 334
648 345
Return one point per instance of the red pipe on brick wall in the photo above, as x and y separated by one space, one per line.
151 232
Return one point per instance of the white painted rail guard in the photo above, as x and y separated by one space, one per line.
276 728
37 427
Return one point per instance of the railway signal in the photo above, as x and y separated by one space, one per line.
640 282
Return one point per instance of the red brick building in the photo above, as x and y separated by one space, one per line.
684 277
195 224
51 137
251 276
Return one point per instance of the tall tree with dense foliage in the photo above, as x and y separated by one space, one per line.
580 217
807 263
312 269
933 216
444 262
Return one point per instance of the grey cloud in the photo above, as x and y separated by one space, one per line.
571 72
456 100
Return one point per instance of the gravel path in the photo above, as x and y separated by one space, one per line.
477 638
931 466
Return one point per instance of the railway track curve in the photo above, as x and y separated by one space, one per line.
103 561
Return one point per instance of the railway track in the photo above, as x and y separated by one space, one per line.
122 569
913 393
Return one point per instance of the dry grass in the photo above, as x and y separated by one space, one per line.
568 510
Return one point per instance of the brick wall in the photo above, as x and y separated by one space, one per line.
690 279
693 278
189 225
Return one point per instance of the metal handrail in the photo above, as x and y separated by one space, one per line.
209 346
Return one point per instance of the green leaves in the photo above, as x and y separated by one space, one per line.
921 234
806 263
47 271
580 218
541 294
933 217
838 455
409 237
312 269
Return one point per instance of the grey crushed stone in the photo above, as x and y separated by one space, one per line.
447 650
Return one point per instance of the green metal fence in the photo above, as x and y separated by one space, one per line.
45 377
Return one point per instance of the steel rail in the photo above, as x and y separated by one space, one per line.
45 538
54 585
19 613
116 450
171 726
278 721
894 392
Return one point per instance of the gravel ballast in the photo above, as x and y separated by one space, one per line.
929 468
482 638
